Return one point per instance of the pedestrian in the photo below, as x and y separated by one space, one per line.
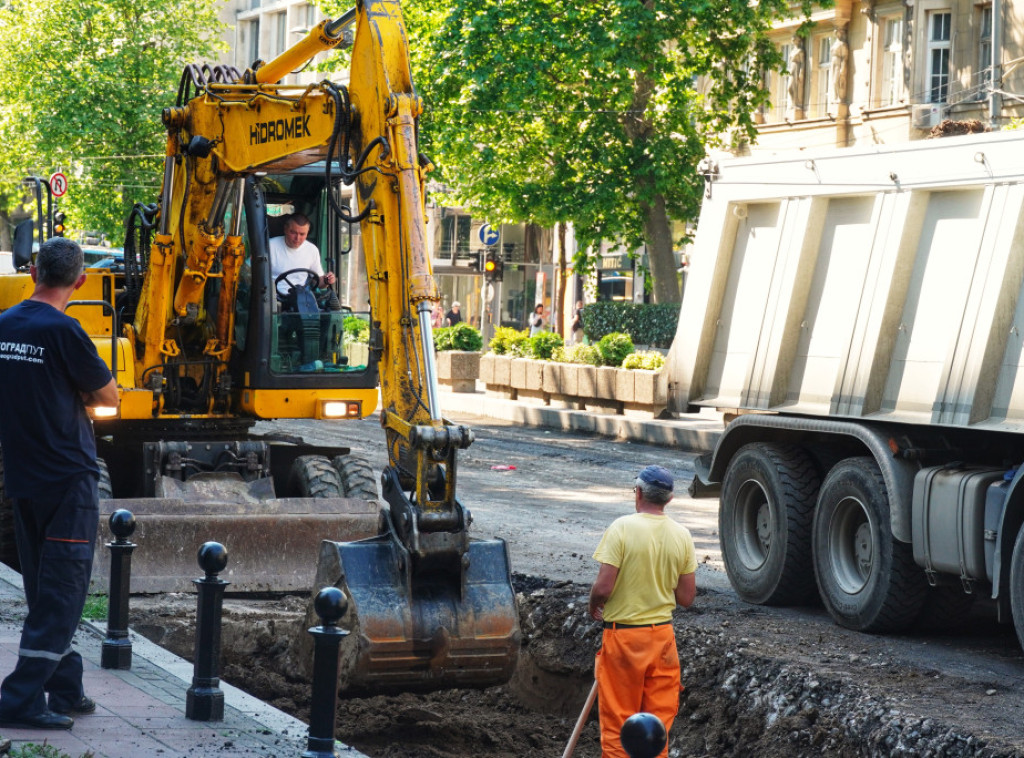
647 569
453 317
49 373
536 322
576 325
437 316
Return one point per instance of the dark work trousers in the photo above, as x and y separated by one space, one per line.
55 538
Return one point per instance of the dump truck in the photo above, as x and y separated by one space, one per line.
204 340
857 314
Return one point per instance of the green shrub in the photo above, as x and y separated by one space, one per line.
542 345
356 329
585 354
650 360
462 336
645 324
614 348
510 341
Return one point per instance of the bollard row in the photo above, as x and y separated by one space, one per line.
204 700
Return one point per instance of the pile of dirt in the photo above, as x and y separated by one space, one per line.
758 682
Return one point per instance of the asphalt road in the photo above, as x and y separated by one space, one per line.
552 507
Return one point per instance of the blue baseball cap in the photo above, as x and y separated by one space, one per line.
658 476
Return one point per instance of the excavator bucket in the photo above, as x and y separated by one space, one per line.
272 545
431 634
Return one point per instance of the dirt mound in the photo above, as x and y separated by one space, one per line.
758 681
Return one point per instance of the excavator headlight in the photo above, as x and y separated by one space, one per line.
103 411
341 409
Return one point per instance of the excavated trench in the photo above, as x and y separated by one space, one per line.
740 697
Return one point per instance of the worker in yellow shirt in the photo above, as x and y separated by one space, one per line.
647 569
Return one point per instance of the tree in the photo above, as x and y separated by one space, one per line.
89 79
591 112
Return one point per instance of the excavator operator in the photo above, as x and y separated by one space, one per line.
296 268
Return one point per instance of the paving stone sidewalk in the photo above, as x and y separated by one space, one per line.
141 712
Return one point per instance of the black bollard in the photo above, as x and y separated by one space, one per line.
117 648
330 605
204 700
643 735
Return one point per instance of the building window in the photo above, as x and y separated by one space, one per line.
309 16
983 79
939 25
891 82
823 75
278 34
251 41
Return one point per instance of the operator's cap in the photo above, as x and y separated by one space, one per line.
658 476
456 304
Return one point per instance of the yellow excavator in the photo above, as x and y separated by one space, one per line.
203 344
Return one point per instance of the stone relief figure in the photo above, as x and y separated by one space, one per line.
796 74
840 59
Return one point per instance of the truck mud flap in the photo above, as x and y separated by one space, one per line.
272 546
445 635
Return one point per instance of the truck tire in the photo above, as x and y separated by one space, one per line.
947 608
313 476
105 487
8 546
765 518
1017 587
867 579
357 479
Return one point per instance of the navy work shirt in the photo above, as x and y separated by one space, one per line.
46 361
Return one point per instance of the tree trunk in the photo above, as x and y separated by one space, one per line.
6 243
559 305
660 256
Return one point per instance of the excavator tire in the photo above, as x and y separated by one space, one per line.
105 487
314 476
8 547
357 479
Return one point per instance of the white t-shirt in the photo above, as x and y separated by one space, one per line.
284 258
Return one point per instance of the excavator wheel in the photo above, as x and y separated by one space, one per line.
314 476
8 547
357 479
105 487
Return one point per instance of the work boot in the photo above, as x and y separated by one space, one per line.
83 707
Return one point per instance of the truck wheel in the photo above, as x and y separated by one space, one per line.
765 521
314 476
1017 587
947 608
357 479
8 546
105 487
867 579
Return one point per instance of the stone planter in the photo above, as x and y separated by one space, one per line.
358 353
458 369
572 385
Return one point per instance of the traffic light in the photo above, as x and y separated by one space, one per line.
493 267
58 224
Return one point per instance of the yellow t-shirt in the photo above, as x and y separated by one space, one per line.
651 553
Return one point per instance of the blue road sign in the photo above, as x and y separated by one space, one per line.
488 236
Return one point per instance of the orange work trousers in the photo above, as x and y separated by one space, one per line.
636 670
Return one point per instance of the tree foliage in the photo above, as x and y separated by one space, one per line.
596 113
88 80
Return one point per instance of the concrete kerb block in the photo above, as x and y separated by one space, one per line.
552 380
487 368
650 388
625 385
606 381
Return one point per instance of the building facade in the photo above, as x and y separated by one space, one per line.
885 71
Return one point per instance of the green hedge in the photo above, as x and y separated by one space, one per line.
645 324
462 336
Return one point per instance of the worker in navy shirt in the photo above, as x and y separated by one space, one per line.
49 373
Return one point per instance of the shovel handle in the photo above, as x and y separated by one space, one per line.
580 722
